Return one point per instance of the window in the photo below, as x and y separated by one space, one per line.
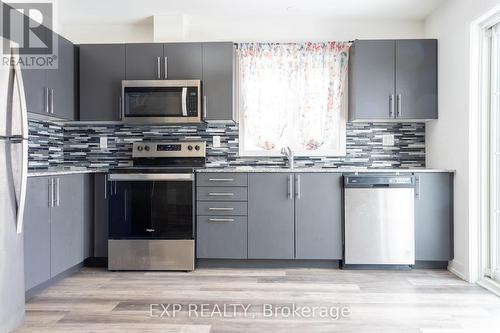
293 95
494 229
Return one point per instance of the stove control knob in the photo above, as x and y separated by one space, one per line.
139 148
147 148
197 147
190 147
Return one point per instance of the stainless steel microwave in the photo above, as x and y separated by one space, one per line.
161 101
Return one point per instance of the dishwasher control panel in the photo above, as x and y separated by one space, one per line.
379 181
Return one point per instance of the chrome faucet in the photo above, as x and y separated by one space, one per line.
288 153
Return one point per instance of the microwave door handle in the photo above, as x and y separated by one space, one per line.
184 102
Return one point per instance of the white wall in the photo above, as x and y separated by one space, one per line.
447 139
281 30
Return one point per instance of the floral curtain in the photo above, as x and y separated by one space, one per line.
293 95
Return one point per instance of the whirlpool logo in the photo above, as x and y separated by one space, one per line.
27 28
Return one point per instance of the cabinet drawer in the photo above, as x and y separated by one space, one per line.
218 208
221 193
221 179
221 237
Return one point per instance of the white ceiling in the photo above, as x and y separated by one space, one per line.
71 12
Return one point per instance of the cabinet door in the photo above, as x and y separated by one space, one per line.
37 232
101 195
318 216
102 68
221 237
144 61
218 72
67 226
61 81
416 79
183 61
371 80
88 216
270 216
434 217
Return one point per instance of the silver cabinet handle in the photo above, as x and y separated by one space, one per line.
400 105
51 192
58 196
46 95
158 66
221 179
221 208
215 194
220 220
51 101
165 65
204 107
105 188
417 187
391 105
297 186
289 187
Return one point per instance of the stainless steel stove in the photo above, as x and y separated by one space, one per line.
151 225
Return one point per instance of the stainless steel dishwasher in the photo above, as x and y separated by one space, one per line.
379 220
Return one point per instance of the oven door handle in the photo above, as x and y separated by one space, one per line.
152 176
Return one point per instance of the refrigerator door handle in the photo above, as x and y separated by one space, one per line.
21 192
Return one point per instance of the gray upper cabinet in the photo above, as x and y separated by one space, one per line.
67 224
37 232
218 82
434 217
318 216
270 216
61 82
416 79
393 80
52 91
102 68
182 61
371 79
144 61
154 61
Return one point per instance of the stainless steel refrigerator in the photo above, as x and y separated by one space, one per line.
13 178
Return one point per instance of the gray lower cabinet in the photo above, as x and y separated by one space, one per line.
102 68
270 216
58 226
221 237
101 218
218 81
37 232
67 228
318 216
434 217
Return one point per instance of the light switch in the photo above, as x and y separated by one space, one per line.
216 141
388 140
103 142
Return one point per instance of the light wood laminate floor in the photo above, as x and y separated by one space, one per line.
95 300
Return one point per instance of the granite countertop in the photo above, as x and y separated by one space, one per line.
62 171
312 169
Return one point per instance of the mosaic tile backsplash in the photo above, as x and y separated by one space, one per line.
53 144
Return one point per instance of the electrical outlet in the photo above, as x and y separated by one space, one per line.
103 142
388 140
216 141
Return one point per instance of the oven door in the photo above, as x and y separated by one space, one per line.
161 101
158 206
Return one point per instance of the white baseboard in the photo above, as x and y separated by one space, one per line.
490 285
458 269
